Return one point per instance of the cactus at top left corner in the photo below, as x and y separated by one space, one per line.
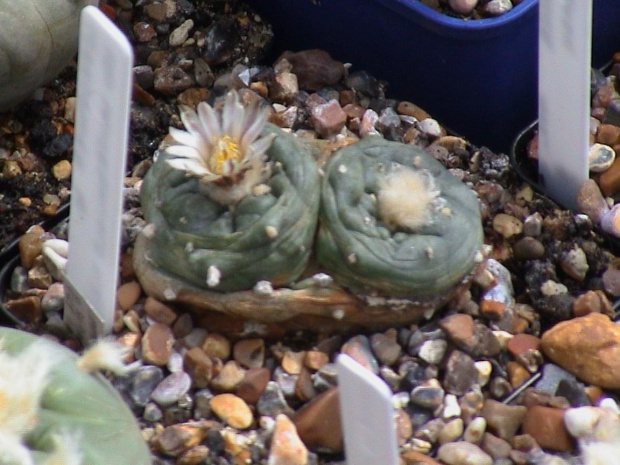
232 201
53 412
38 38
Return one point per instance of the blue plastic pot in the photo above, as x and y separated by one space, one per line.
478 78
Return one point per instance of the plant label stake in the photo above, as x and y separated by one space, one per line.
105 63
367 415
565 31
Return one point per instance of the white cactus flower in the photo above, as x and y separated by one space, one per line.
225 150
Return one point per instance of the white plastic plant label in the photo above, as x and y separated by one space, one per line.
565 31
367 415
104 75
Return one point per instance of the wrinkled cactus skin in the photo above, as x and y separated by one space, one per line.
397 265
193 233
75 401
38 38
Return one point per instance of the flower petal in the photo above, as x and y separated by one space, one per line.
254 128
184 137
260 146
184 151
209 122
189 119
192 167
232 116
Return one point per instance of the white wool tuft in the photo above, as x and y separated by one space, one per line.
66 450
600 453
105 354
14 452
23 379
405 200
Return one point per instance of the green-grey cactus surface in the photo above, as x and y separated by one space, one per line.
264 237
78 403
38 38
362 253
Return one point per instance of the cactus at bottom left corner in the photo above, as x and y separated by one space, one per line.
52 412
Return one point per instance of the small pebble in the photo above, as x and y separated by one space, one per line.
358 348
431 128
532 225
575 263
475 431
546 426
507 225
128 294
496 7
460 373
318 422
433 351
386 348
428 395
463 453
528 248
229 377
286 446
217 346
232 410
157 344
600 157
143 382
54 298
451 431
250 353
451 407
181 33
272 402
171 388
253 384
328 119
503 420
463 7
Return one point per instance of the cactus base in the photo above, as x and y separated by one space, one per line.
329 309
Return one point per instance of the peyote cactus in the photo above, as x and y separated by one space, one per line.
38 38
232 220
54 411
225 210
394 220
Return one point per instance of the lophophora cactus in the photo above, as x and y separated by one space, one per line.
395 221
38 38
232 202
232 207
56 410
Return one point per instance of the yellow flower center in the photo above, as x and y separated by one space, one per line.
226 148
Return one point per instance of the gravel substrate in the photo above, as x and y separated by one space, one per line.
472 9
523 369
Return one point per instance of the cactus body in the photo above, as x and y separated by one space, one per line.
365 255
264 237
38 38
80 403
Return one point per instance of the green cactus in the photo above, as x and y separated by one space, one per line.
362 252
38 38
263 237
72 402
